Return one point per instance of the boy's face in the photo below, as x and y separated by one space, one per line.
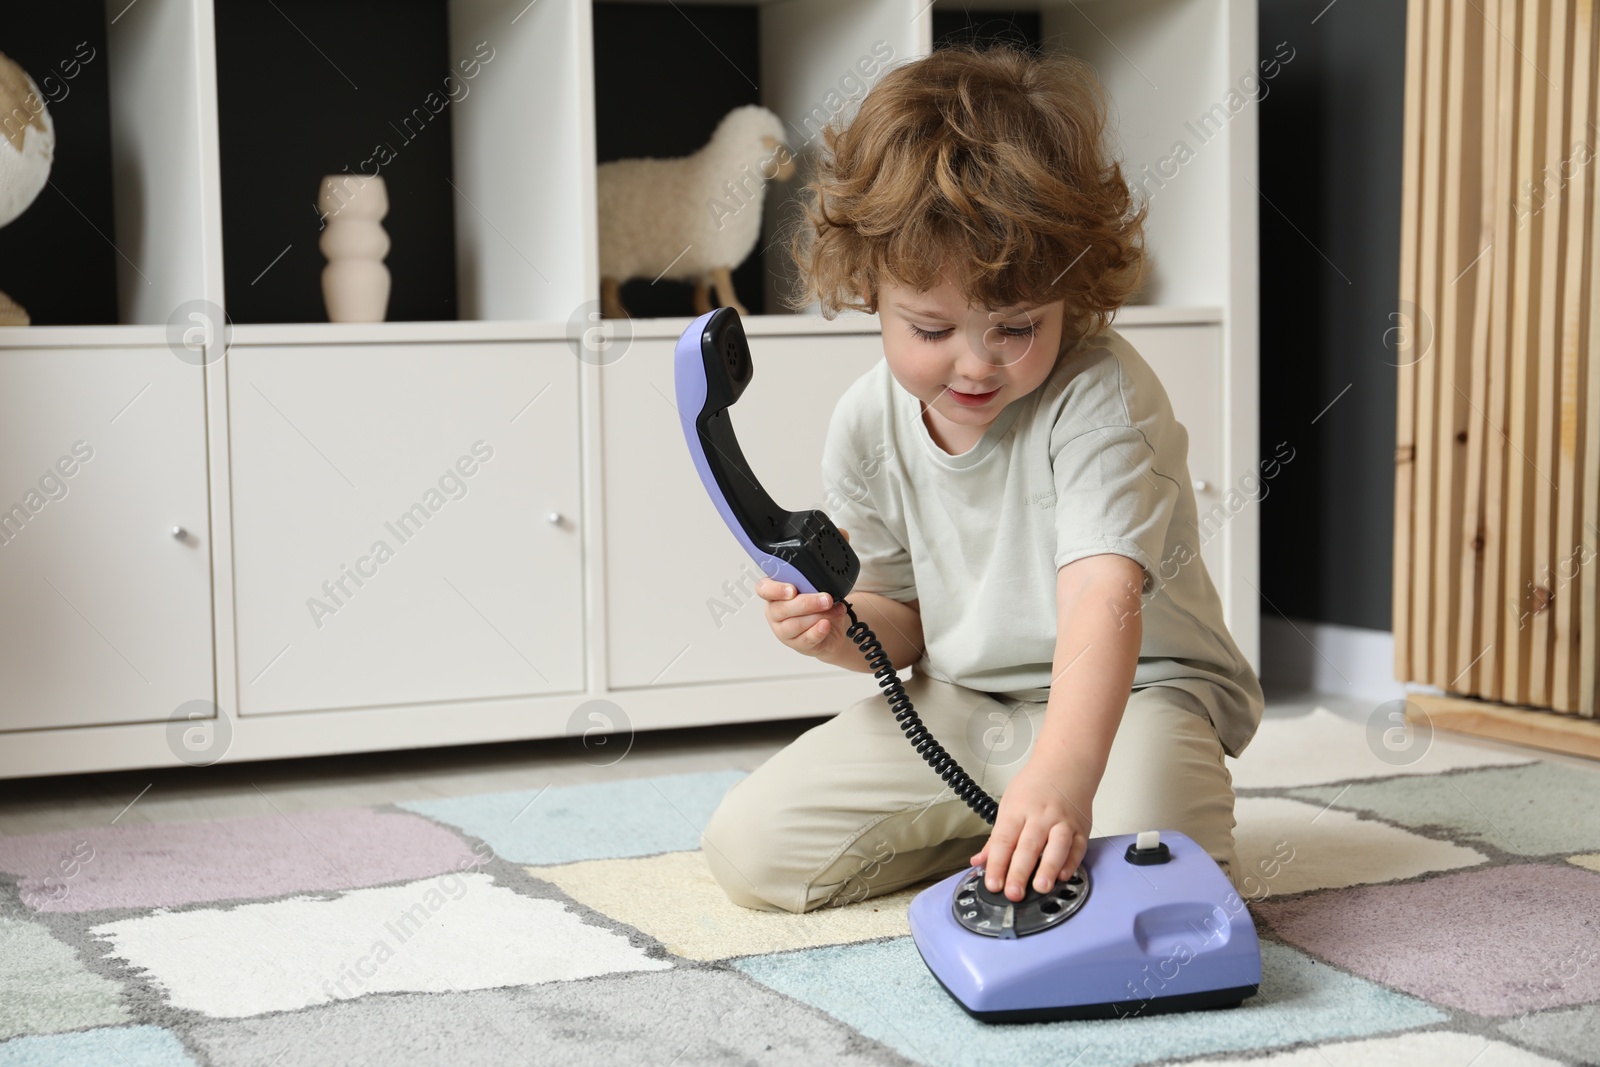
944 352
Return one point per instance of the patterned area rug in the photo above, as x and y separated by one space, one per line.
1433 908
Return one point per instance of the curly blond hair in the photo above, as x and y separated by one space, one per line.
986 168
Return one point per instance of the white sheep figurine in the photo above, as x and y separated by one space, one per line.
694 218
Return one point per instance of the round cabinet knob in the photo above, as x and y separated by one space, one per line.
554 518
179 532
1201 485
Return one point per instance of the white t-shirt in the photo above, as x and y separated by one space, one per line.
1091 462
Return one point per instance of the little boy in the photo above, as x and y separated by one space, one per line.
1015 484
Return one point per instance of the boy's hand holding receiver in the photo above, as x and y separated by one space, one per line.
811 623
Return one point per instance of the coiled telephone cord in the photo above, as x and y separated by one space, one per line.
916 732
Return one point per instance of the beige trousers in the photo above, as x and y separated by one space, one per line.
850 810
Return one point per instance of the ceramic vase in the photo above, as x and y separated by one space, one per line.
355 283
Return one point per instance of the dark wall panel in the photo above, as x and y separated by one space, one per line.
1330 257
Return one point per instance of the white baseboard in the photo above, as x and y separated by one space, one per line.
1301 656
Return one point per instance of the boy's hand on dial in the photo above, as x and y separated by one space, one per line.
1041 819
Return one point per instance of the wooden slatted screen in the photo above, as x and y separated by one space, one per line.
1497 464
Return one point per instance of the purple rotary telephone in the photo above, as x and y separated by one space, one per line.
1147 924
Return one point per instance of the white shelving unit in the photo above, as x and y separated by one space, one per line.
566 568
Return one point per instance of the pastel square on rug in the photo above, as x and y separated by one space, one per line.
1442 910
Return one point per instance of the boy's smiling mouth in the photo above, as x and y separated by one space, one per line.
973 399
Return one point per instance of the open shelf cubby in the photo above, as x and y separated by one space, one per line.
60 264
115 235
374 92
666 73
471 111
1171 76
706 61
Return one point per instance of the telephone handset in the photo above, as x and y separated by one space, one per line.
803 548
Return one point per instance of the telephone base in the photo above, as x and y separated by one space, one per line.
1151 938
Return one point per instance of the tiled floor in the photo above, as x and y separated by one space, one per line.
34 805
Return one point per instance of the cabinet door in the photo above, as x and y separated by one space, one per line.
107 614
680 592
405 523
1188 360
